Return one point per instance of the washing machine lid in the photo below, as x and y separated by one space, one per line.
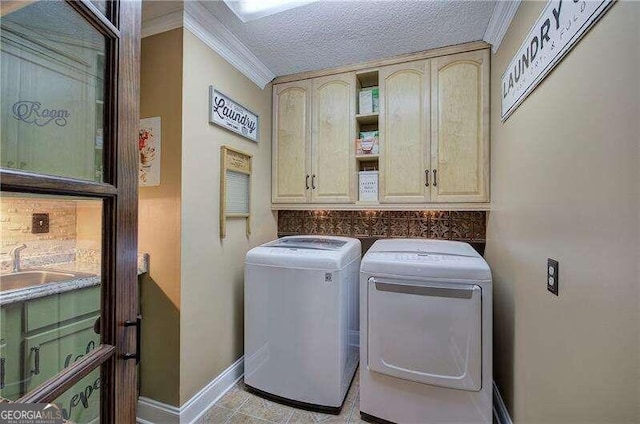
313 252
309 242
426 259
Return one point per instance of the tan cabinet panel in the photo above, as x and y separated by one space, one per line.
404 132
460 127
333 140
291 142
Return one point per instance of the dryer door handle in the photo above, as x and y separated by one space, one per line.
463 292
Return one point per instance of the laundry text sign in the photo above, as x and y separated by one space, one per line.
32 112
560 26
227 113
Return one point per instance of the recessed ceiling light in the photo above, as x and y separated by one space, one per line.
249 10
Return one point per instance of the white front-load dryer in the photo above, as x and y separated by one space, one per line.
301 320
426 333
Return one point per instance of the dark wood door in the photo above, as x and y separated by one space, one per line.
70 121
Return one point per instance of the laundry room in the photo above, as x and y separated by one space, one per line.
321 211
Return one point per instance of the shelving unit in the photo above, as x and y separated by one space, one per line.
368 121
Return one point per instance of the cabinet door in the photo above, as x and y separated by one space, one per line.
49 351
404 132
460 127
333 141
291 142
10 345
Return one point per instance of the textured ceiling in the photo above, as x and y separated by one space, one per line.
332 33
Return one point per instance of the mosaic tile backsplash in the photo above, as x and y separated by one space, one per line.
469 226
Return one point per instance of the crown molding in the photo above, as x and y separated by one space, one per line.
162 23
204 25
503 13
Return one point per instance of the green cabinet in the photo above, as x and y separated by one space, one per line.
51 351
10 342
42 337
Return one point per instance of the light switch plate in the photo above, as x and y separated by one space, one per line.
552 276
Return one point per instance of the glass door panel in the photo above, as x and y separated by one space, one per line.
81 403
68 299
52 89
50 286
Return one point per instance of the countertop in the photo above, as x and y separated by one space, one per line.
34 292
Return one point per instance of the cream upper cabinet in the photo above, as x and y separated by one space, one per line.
460 127
433 123
333 139
291 142
404 132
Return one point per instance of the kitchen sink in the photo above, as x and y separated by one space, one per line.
35 277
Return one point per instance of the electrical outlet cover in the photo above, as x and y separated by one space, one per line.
39 223
552 276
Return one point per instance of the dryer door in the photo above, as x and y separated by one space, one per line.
426 332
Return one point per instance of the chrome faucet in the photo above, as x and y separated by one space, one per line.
15 257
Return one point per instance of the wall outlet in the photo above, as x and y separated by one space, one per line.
39 223
552 276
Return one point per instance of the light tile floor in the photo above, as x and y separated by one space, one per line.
238 406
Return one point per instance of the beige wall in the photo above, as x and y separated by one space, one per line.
211 335
566 185
159 220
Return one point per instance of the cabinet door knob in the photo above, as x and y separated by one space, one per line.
2 360
306 182
426 178
435 177
313 181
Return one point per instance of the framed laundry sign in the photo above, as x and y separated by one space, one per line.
235 187
227 113
559 27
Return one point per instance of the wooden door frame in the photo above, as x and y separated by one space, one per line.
120 214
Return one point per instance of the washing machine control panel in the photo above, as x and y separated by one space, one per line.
417 257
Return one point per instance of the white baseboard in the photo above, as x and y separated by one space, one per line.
154 412
500 412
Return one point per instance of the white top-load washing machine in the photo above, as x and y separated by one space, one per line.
301 320
426 333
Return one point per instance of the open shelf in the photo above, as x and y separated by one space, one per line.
364 158
367 78
367 118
